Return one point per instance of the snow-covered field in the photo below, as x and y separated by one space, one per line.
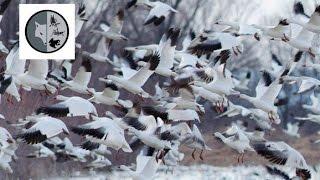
204 172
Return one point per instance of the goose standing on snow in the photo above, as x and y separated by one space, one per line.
114 32
134 84
195 141
45 128
70 107
158 13
104 131
282 154
80 82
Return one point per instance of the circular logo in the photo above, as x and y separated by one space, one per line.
47 31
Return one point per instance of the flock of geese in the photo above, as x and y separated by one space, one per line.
158 124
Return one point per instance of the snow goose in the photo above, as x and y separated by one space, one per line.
293 128
305 83
243 83
195 141
134 84
99 162
158 13
174 115
315 105
109 96
240 29
266 94
239 142
60 72
114 32
42 151
282 154
206 44
8 146
274 32
234 110
313 25
80 82
310 117
69 107
146 167
5 82
101 53
45 128
221 84
80 18
104 131
36 76
167 53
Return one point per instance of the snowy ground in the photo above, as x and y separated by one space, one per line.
204 172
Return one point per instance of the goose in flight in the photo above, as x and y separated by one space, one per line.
45 128
195 141
36 77
239 29
104 131
109 96
305 83
208 43
81 80
158 13
69 107
313 24
281 153
8 146
135 82
315 105
101 53
114 32
293 128
281 31
238 141
167 51
310 117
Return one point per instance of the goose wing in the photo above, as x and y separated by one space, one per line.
38 68
83 75
117 22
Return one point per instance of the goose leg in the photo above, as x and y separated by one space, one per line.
234 51
194 150
201 155
240 52
311 53
216 107
242 158
238 158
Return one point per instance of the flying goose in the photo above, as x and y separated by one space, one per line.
3 6
109 96
45 128
208 43
305 83
293 128
104 131
158 13
315 105
35 77
310 117
239 142
101 53
8 146
114 32
195 141
282 154
69 107
274 32
238 28
81 80
167 51
313 24
134 84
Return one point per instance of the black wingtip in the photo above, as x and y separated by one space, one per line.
88 145
86 63
298 56
131 3
112 86
303 173
154 60
34 137
120 14
266 78
173 34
